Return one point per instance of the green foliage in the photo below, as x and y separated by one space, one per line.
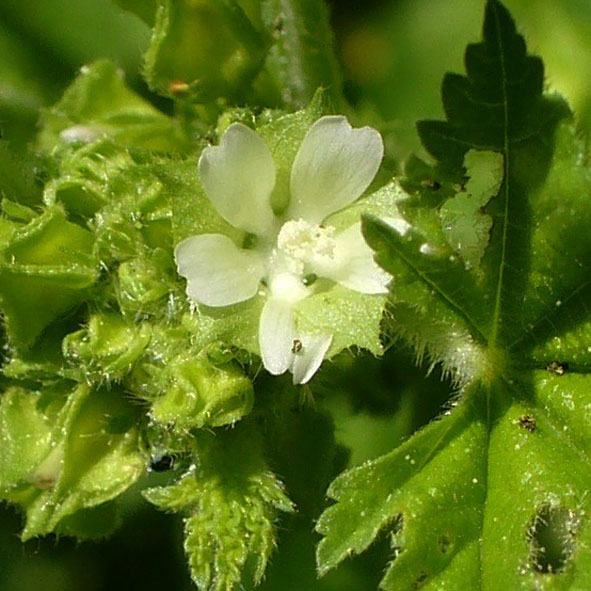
208 49
230 501
480 498
51 256
78 461
109 374
98 104
466 227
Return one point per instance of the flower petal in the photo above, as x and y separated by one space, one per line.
218 273
332 168
307 360
353 265
276 335
238 177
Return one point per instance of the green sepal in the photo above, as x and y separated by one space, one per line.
43 360
189 385
98 104
203 50
49 256
106 349
81 459
25 435
143 283
200 394
87 175
17 211
231 501
357 318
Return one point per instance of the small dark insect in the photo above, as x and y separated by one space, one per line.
557 368
431 184
297 346
162 463
528 423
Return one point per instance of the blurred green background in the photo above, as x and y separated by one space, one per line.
394 54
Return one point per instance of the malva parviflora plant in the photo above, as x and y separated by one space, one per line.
161 271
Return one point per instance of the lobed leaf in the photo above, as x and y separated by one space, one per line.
494 493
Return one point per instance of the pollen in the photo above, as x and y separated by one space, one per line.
304 242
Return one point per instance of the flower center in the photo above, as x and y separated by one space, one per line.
303 242
300 245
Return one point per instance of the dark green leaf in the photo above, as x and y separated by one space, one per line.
494 494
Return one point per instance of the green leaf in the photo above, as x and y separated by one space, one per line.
302 57
208 49
78 461
494 494
52 256
25 436
467 229
230 501
98 104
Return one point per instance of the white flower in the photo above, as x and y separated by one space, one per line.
333 167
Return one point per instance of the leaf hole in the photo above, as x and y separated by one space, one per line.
551 536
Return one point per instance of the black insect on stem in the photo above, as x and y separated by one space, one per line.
162 463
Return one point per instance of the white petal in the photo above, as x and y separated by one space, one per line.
276 335
218 273
310 356
238 177
353 265
333 167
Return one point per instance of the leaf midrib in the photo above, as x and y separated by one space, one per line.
499 290
500 281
